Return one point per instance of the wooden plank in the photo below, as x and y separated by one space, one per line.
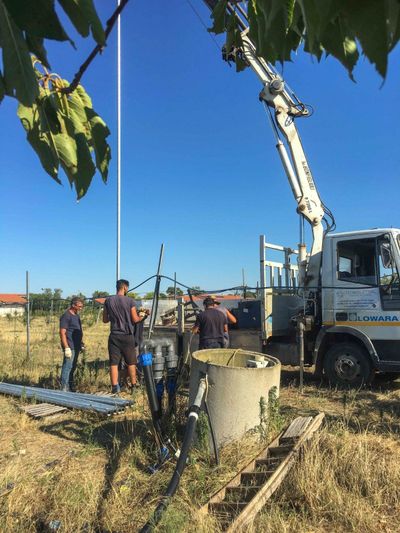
296 428
41 410
259 500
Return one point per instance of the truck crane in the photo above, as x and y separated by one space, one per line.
347 294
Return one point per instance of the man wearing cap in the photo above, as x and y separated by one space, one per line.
211 325
231 319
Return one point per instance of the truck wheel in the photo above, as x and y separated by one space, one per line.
347 364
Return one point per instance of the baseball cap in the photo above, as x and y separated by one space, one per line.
210 300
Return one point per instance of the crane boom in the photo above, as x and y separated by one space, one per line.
285 107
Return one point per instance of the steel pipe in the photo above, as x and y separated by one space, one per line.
60 398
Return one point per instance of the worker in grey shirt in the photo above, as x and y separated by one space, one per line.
71 342
120 311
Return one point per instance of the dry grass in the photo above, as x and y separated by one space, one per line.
90 473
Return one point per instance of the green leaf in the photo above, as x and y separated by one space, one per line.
84 16
99 133
67 153
393 19
268 28
86 168
102 150
369 24
338 41
37 17
219 17
30 120
50 105
290 7
35 46
74 12
95 25
19 76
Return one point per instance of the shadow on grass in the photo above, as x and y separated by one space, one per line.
114 437
50 381
86 373
374 408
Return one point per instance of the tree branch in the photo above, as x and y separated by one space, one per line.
99 48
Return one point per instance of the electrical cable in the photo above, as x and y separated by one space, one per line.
143 282
204 24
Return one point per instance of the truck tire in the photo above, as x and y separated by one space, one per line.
347 364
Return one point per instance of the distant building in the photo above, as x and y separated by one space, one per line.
12 304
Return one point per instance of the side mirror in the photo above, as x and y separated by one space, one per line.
386 254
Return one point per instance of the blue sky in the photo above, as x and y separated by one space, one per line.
199 166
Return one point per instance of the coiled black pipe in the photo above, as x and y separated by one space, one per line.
181 464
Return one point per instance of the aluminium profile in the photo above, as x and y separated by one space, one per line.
65 400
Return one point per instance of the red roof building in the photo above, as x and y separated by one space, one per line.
12 299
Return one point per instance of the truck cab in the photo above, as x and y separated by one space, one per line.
360 305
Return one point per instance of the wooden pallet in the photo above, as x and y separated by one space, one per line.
40 410
238 502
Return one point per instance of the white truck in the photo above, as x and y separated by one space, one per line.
344 295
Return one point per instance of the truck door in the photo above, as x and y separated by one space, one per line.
387 341
367 292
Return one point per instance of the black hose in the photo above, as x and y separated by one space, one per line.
182 460
146 362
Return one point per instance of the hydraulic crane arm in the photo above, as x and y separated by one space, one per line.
285 108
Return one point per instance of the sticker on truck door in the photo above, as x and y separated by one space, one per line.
352 299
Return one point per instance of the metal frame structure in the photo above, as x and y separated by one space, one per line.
285 270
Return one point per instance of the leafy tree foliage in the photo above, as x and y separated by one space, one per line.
345 29
61 125
149 295
134 295
46 300
60 122
100 294
171 291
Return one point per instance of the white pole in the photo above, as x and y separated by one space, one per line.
118 145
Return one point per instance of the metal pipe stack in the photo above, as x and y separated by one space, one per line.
105 405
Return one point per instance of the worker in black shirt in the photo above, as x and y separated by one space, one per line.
211 325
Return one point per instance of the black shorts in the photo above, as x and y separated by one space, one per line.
121 346
211 343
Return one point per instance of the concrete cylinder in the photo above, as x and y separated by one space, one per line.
234 390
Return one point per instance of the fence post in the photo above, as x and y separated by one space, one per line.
28 319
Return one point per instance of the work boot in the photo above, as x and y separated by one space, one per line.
116 389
